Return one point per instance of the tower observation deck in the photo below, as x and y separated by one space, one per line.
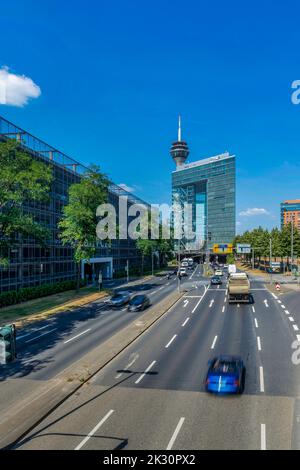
179 149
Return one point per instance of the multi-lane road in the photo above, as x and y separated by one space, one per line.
152 395
49 346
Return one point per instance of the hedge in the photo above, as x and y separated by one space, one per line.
29 293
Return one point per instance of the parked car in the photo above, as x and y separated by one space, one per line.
119 299
226 374
138 302
218 272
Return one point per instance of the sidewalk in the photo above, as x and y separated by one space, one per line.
276 277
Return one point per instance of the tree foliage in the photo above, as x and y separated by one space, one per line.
259 239
22 179
79 221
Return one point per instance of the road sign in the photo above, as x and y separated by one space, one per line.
243 248
222 248
277 286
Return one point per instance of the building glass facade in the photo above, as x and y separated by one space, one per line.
209 185
31 264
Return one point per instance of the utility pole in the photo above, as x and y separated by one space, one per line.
152 262
127 270
271 260
178 272
253 263
292 246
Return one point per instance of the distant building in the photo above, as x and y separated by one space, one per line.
290 212
209 186
32 264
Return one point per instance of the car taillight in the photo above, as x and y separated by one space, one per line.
207 381
237 383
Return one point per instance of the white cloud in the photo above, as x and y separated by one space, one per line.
254 211
238 223
124 186
16 90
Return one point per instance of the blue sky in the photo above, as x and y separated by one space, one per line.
114 76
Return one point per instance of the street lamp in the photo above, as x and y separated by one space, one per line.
292 245
152 261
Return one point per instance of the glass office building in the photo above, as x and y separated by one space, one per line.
31 264
209 186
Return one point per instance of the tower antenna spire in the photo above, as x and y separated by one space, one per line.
179 128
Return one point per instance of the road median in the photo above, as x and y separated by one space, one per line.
24 415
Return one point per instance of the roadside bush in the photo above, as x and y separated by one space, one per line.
30 293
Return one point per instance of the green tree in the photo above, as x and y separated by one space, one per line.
146 247
79 221
22 179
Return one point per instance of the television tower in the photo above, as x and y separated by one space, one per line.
179 149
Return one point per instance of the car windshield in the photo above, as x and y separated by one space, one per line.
117 297
225 367
137 300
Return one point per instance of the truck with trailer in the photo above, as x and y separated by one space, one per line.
239 288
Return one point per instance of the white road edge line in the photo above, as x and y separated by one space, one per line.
263 445
287 312
90 434
143 375
171 341
261 378
275 296
223 309
214 342
196 306
33 331
298 337
258 343
256 324
291 319
253 309
176 432
77 336
37 337
279 301
295 327
183 324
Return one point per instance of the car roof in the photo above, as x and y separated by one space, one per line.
227 358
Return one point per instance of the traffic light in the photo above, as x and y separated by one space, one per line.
7 344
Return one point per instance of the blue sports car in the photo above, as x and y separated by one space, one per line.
226 374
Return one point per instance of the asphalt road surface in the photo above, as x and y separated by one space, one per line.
47 347
152 396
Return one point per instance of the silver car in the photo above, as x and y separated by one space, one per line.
119 299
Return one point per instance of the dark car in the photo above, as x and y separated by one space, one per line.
226 374
119 299
138 302
215 281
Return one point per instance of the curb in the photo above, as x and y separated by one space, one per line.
18 423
